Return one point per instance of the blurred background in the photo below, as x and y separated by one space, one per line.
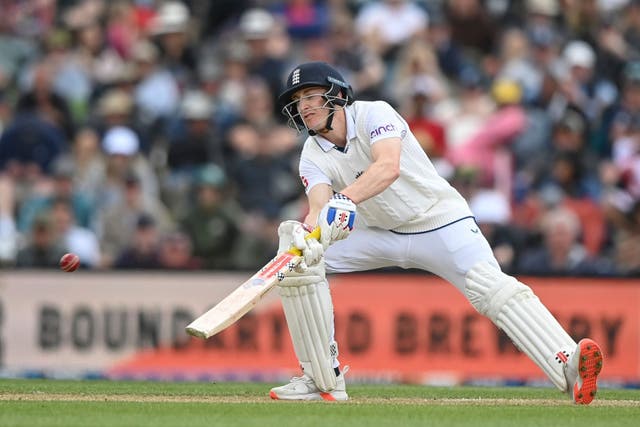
143 135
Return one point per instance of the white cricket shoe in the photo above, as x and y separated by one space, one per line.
582 370
304 388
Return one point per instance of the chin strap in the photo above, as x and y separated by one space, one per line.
327 125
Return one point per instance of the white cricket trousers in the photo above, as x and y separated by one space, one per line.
448 252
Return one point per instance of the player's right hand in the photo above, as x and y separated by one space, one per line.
336 219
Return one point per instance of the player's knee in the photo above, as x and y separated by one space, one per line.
489 289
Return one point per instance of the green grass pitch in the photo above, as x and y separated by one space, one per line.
33 403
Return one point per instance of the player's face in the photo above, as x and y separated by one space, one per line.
312 106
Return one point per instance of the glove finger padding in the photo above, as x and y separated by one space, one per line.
285 234
313 253
336 219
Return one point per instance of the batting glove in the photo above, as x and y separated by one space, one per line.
336 219
293 233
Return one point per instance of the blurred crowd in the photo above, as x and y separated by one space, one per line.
144 134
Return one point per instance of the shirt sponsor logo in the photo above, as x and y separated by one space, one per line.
382 129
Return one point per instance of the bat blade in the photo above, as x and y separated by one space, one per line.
244 298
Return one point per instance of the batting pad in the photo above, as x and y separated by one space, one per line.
515 309
309 313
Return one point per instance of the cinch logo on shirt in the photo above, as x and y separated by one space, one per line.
382 129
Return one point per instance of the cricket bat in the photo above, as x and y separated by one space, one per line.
246 296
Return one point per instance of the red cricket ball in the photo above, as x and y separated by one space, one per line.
69 262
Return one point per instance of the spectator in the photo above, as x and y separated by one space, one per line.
627 243
417 109
8 231
123 158
492 212
176 253
258 28
157 92
117 223
486 148
358 64
214 225
76 239
87 163
561 253
304 19
42 248
142 253
43 102
111 89
471 26
387 25
60 186
170 28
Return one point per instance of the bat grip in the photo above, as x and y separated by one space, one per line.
315 234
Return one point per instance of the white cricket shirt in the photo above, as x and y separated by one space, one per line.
419 200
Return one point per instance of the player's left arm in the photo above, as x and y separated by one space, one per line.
384 170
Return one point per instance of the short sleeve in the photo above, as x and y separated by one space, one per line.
311 175
383 122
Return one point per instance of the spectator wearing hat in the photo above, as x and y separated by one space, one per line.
214 223
121 146
580 86
157 93
193 144
115 107
170 29
259 28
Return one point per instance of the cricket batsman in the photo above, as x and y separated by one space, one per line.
363 154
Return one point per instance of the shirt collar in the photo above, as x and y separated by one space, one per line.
327 145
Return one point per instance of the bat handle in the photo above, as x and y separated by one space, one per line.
315 234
